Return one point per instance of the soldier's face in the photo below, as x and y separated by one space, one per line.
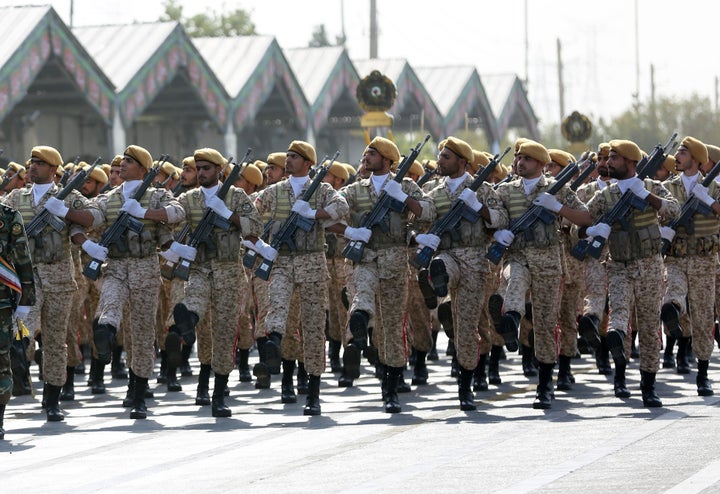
115 178
131 169
602 166
91 188
684 160
528 167
40 172
374 161
618 166
553 168
449 164
274 173
296 165
207 173
188 176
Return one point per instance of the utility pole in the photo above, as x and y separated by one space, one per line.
561 85
527 44
72 12
373 30
342 22
637 55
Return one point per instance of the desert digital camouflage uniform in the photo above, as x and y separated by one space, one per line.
535 264
420 317
77 323
337 312
303 270
134 276
635 274
54 278
380 279
573 291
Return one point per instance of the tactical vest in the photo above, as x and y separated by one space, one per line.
641 239
541 235
396 225
705 240
50 246
223 245
131 244
312 241
466 234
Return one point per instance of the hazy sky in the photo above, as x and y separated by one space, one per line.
597 38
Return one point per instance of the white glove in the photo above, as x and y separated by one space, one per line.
429 239
394 190
667 233
266 250
701 193
170 256
184 251
95 250
218 205
249 245
599 230
358 234
21 312
549 202
504 237
304 209
56 207
134 208
637 186
470 198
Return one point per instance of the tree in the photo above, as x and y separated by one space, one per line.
319 37
234 23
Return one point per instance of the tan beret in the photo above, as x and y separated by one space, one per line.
210 155
106 168
627 149
697 149
441 144
304 149
459 147
416 169
252 174
189 161
560 157
141 155
535 150
519 142
386 148
70 165
276 159
501 171
167 168
603 149
339 170
669 163
97 174
116 160
713 153
431 164
16 168
260 164
479 159
48 154
351 169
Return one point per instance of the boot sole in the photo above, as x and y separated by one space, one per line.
438 277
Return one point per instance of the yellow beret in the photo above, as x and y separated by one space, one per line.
416 169
116 160
520 141
535 150
97 174
252 174
141 155
276 159
386 148
441 144
501 171
459 147
60 171
560 157
603 149
16 168
189 161
167 168
339 170
305 150
479 159
669 163
210 155
260 164
69 165
713 153
697 149
351 169
627 149
431 164
49 155
106 168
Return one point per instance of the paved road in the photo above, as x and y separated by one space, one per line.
589 441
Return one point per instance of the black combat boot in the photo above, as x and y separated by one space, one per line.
619 386
130 394
52 408
68 389
287 391
139 409
334 354
467 402
683 366
273 355
445 317
173 385
97 376
438 277
427 291
358 324
647 386
241 359
614 340
420 372
2 422
479 376
704 386
602 358
303 382
390 396
543 396
433 353
668 352
450 351
219 408
352 357
494 365
589 330
104 339
185 368
528 366
260 370
118 370
564 380
508 329
312 402
202 396
185 323
162 374
670 316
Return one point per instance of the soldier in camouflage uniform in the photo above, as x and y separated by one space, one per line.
132 274
380 278
216 273
635 267
53 266
534 264
690 263
303 270
458 268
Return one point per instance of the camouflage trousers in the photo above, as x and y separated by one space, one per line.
6 336
164 310
244 335
291 344
692 278
307 274
571 300
136 281
638 284
420 327
337 312
486 328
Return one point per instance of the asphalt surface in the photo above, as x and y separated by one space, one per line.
588 442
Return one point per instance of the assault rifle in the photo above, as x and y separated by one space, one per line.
509 178
584 174
429 172
647 167
44 218
459 210
251 256
7 179
533 213
286 233
124 222
68 173
355 248
210 221
691 206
